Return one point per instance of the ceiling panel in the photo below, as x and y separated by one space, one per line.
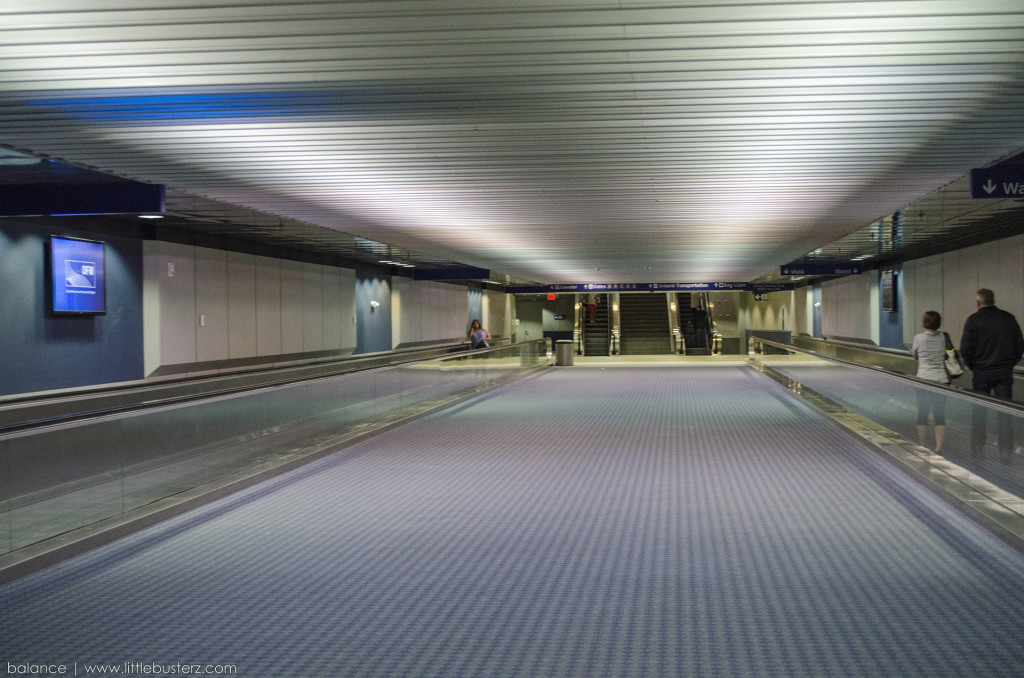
550 140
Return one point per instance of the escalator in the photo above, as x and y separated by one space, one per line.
644 323
694 324
596 325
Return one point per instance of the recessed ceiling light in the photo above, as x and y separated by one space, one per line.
151 216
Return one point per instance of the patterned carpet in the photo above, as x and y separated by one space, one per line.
582 523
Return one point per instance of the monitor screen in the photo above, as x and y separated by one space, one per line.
889 291
76 275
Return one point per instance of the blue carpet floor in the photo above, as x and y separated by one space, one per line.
583 523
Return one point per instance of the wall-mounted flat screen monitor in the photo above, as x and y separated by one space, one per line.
77 276
889 291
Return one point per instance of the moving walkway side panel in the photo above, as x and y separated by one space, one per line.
965 446
215 379
62 478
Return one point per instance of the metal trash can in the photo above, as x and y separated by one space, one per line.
528 355
563 352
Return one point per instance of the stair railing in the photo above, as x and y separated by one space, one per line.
680 341
579 326
673 321
615 329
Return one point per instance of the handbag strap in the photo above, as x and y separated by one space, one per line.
949 342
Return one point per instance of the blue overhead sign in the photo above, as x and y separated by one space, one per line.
698 287
815 268
455 272
586 288
123 197
1006 181
765 288
583 288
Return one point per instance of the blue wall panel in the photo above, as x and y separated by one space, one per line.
476 307
373 324
42 351
890 324
816 312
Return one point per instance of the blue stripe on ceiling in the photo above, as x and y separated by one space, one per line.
185 107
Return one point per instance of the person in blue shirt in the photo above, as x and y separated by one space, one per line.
478 336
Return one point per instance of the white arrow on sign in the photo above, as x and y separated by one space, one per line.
989 187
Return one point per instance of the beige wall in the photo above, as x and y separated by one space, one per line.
946 283
850 307
202 305
776 312
499 311
423 311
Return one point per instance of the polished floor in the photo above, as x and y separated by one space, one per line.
654 360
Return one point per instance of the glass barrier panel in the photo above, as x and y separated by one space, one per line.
6 469
66 476
982 435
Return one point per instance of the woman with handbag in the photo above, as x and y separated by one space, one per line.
478 336
929 350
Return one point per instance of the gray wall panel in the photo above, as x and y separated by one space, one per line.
947 282
291 306
241 305
178 318
211 305
312 308
347 307
331 308
268 307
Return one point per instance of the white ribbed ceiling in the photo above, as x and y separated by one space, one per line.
552 140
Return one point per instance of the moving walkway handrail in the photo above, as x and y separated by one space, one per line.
1009 406
370 362
194 378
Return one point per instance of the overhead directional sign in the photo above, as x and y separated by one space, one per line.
820 268
586 288
1003 181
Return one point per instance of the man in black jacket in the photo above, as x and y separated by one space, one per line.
991 345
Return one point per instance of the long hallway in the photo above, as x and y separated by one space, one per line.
584 522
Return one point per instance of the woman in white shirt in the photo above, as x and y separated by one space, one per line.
929 350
